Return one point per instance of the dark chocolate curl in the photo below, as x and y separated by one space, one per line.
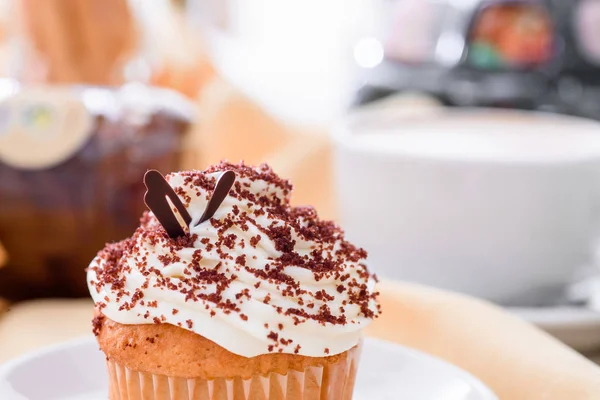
158 190
222 187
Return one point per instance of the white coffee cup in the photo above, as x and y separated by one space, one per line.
503 205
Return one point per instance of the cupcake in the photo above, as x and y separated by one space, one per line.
260 301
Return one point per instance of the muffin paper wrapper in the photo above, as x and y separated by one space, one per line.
331 382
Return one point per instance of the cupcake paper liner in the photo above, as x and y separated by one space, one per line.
330 382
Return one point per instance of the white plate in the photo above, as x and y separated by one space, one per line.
76 371
577 327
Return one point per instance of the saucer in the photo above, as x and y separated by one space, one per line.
76 371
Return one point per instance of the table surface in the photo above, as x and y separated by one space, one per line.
519 361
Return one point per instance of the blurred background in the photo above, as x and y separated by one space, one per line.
457 140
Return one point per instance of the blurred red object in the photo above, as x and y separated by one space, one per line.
517 34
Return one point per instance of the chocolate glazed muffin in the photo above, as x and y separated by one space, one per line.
261 301
54 219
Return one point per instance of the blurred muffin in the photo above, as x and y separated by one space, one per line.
262 301
70 187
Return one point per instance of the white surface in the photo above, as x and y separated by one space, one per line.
577 327
292 57
497 204
76 371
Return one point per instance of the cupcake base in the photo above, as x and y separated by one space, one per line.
333 381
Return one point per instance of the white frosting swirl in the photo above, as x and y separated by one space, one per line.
299 289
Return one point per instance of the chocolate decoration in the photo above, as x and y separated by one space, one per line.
224 183
156 200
